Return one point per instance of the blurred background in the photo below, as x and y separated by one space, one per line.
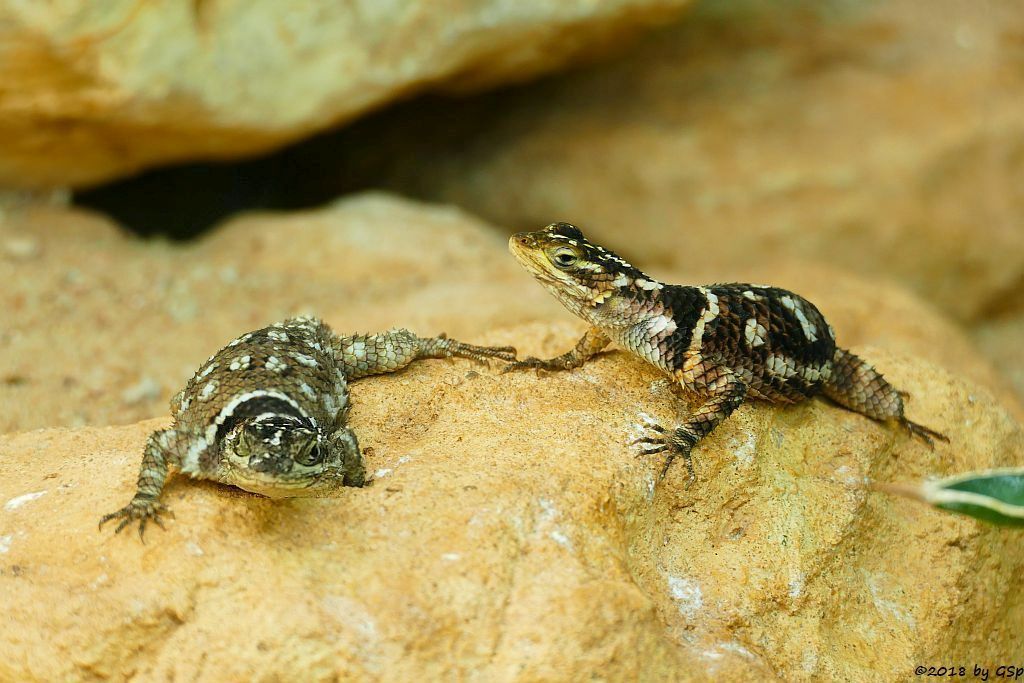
175 173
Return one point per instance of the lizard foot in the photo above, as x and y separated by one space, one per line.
142 509
661 440
531 362
481 354
929 436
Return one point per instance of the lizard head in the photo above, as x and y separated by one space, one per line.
580 274
280 455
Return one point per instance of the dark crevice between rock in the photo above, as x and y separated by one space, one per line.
389 149
182 202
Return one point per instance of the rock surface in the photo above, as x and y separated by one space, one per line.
100 328
512 534
94 90
873 136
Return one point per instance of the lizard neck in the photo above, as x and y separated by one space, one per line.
656 324
628 299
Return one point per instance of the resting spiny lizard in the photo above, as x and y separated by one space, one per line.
268 412
723 342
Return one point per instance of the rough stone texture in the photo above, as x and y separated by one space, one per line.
93 90
512 534
100 328
877 136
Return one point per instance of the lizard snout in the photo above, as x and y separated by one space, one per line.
522 239
268 464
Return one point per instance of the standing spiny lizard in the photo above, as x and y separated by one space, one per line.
268 412
723 342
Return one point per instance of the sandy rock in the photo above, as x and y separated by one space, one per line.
93 90
512 534
101 328
873 136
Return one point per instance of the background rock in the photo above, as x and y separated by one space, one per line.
99 328
879 136
94 90
511 533
1002 339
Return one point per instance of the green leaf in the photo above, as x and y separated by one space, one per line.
995 496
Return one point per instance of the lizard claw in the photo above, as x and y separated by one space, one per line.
480 354
524 364
664 441
141 510
929 436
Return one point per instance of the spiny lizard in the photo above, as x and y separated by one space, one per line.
268 412
723 342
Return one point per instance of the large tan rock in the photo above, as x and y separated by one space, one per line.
94 90
877 136
512 534
97 327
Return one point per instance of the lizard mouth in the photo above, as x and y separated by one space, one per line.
271 484
524 247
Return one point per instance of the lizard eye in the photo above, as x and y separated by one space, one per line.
564 258
311 457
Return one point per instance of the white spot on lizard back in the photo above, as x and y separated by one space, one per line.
797 309
755 333
275 364
209 390
709 314
303 359
241 340
307 390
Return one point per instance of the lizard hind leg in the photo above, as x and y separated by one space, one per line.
725 394
924 433
856 385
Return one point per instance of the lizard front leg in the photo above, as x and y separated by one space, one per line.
375 354
164 449
589 345
353 470
725 394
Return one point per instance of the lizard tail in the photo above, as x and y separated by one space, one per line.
856 385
